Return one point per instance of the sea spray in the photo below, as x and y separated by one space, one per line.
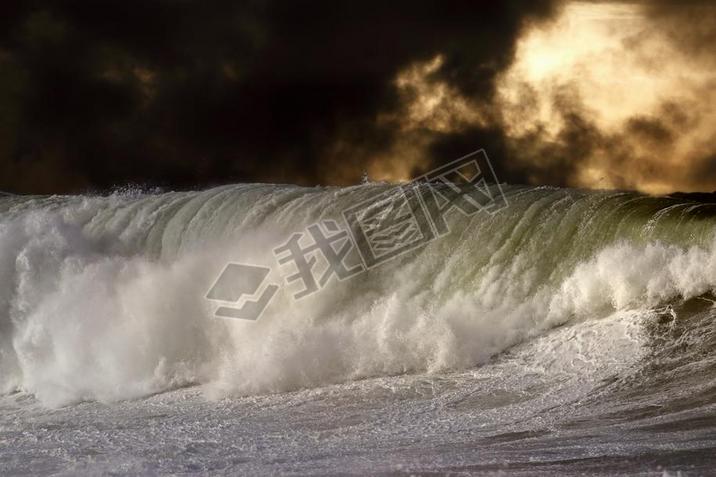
103 298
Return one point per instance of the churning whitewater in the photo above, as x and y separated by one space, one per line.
103 298
569 329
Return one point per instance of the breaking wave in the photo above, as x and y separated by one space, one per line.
103 298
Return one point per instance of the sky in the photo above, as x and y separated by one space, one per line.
182 94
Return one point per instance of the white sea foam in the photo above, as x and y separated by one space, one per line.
103 298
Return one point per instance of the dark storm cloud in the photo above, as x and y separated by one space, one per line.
184 94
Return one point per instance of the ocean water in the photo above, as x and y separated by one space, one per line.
570 333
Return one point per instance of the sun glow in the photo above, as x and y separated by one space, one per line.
608 63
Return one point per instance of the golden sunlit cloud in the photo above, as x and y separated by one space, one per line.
600 96
606 70
431 106
432 103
